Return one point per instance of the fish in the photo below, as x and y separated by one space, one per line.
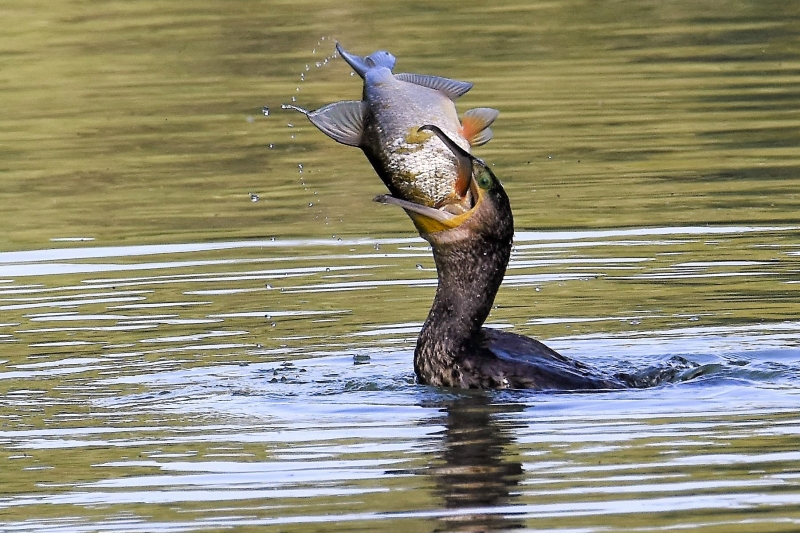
414 164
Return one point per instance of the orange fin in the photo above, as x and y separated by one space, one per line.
464 176
475 125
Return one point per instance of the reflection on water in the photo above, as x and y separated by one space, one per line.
176 356
475 474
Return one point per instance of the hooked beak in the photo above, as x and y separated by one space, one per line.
431 220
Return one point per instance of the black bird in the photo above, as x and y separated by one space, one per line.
471 251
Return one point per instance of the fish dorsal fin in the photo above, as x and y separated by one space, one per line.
475 125
451 88
341 121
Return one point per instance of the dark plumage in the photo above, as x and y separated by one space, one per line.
471 252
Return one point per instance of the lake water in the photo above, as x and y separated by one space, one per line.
175 356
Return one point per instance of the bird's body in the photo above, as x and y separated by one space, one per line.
408 127
496 359
471 252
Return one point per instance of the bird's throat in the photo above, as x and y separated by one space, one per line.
470 272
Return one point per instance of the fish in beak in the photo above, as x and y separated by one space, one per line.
415 163
482 185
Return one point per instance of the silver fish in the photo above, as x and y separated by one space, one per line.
414 164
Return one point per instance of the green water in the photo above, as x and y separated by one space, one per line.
175 356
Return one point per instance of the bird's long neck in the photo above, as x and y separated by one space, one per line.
470 272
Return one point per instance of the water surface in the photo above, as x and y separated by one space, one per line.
176 356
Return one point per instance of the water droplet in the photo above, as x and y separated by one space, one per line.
273 324
419 266
253 197
314 51
290 124
352 73
302 77
300 166
292 136
327 269
269 286
538 289
377 246
272 239
307 67
294 98
271 145
265 110
310 204
693 319
318 64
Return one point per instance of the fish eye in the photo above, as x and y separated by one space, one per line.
485 180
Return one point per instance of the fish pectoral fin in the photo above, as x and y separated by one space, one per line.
463 177
475 125
482 137
341 121
451 88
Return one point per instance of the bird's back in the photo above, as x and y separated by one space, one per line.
506 360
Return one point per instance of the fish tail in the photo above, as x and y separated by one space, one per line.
361 65
475 125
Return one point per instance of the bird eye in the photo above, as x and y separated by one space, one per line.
485 180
